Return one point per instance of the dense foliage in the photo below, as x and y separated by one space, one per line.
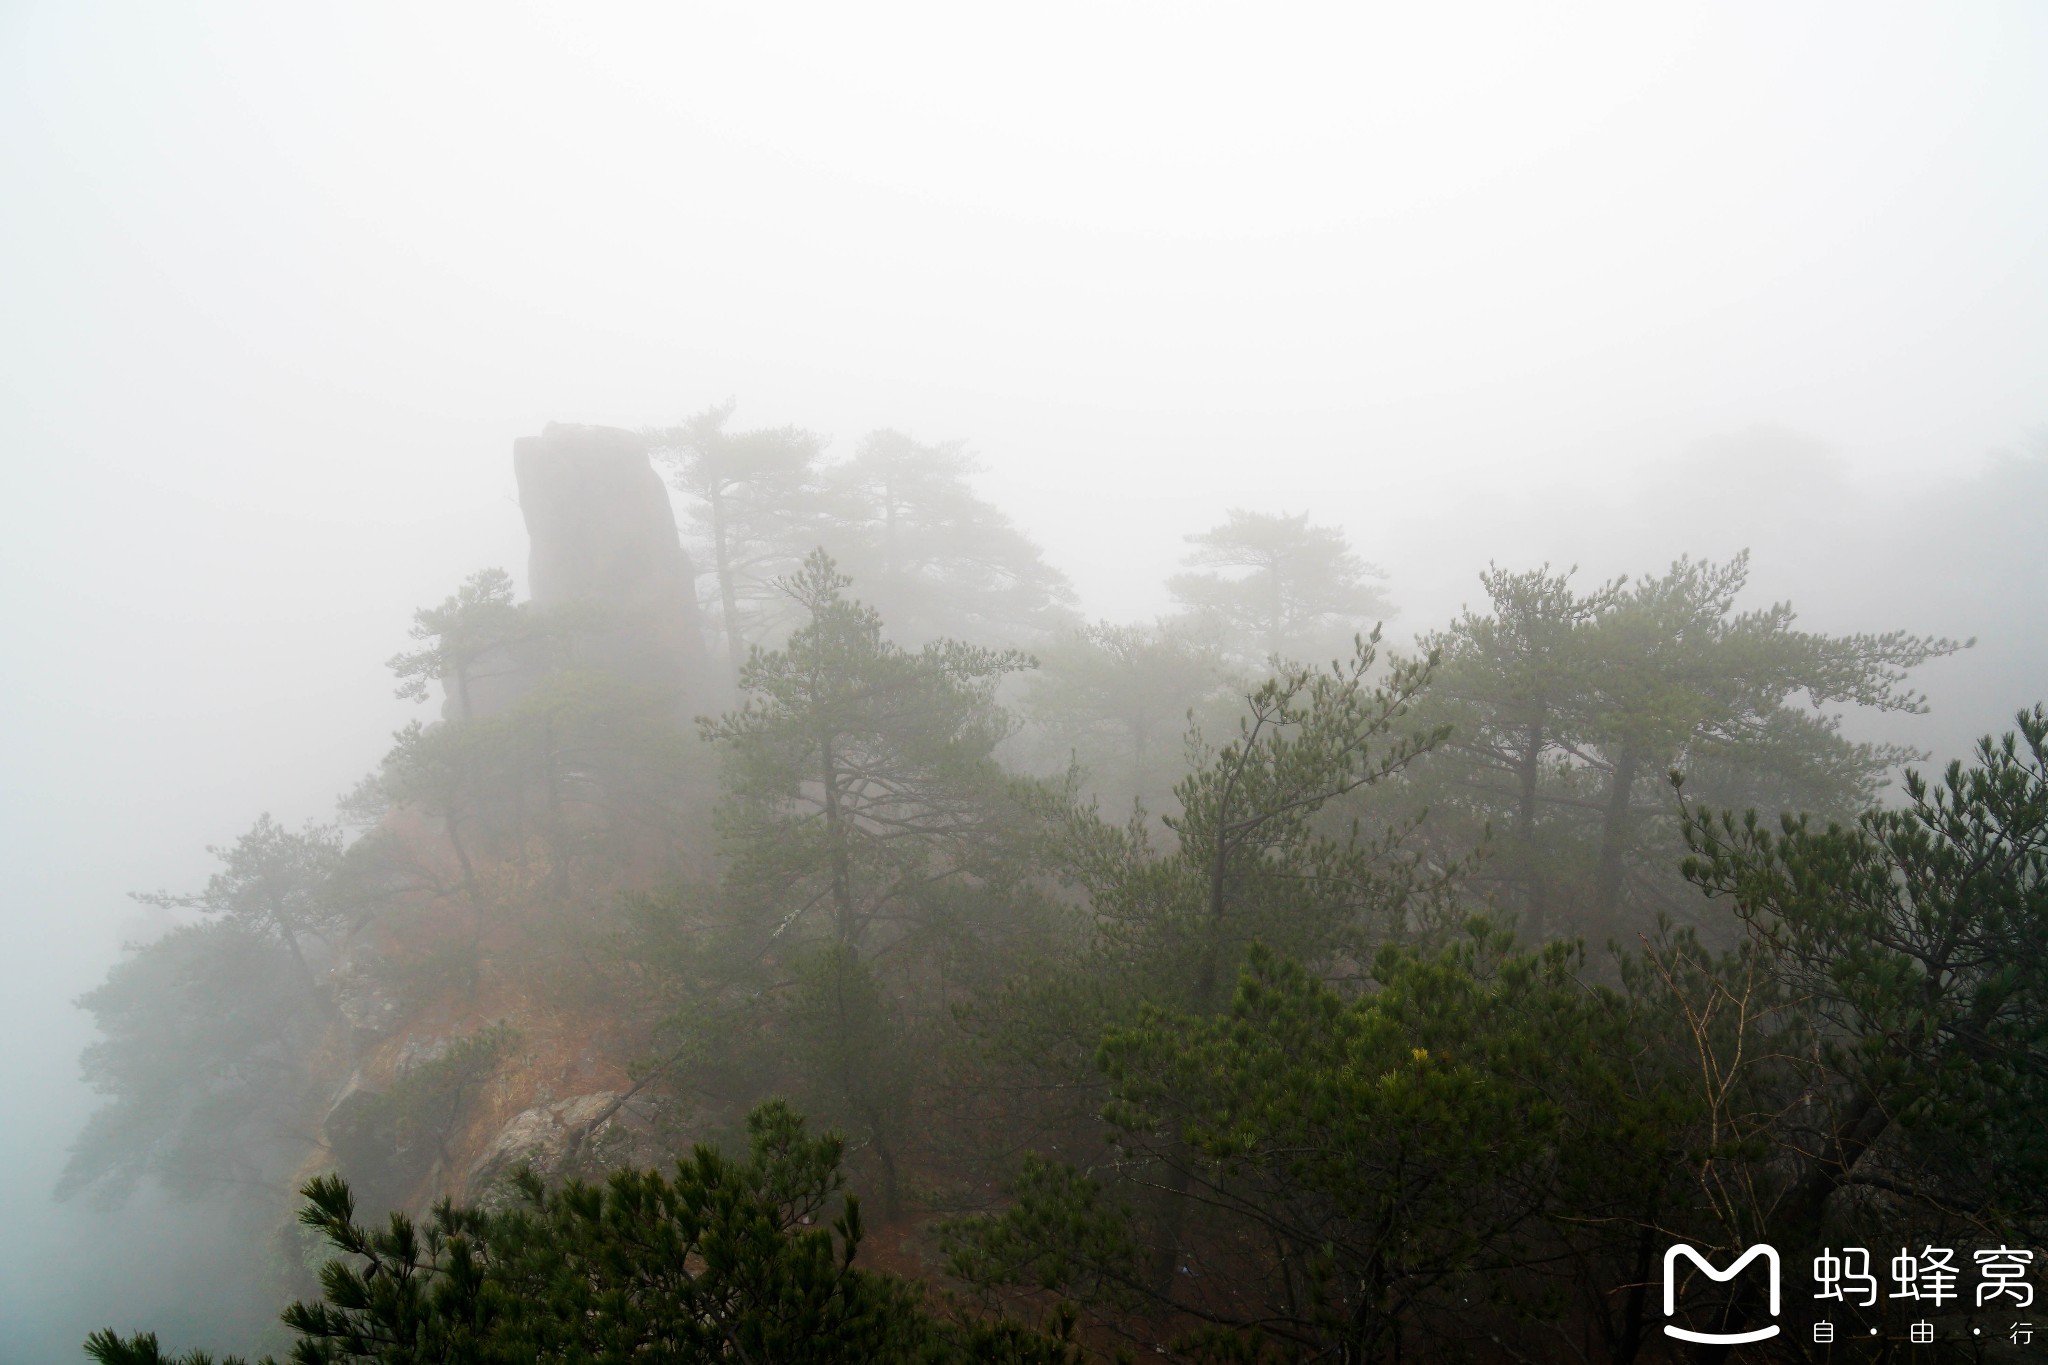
727 1260
1228 988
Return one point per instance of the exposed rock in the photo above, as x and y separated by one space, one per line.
371 1011
417 1052
548 1137
612 593
603 540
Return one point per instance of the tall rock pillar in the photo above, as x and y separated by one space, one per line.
603 541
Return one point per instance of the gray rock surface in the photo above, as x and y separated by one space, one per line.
604 542
549 1137
417 1052
370 1011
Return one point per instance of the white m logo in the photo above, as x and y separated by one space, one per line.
1770 1255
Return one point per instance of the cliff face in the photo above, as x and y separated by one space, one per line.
482 1017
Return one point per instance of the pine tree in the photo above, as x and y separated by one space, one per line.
1678 677
934 557
729 1259
478 621
1512 688
756 510
204 1031
1565 707
864 814
1301 593
1920 937
1119 699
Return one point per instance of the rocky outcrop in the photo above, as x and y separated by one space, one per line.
604 546
571 792
548 1137
370 1011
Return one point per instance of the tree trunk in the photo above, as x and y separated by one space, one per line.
1614 832
1528 768
835 835
1275 610
461 855
1172 1200
1212 946
889 555
1138 727
1174 1189
308 983
892 1190
728 594
1636 1305
1796 1223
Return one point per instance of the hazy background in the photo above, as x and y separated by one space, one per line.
1595 284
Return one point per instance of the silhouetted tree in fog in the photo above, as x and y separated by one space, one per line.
861 802
935 558
755 507
1301 593
1118 698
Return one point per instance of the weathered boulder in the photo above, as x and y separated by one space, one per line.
604 546
548 1137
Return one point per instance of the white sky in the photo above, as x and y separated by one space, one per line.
281 283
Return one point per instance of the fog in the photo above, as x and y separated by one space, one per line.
1503 283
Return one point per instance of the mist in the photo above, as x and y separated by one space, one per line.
1478 284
